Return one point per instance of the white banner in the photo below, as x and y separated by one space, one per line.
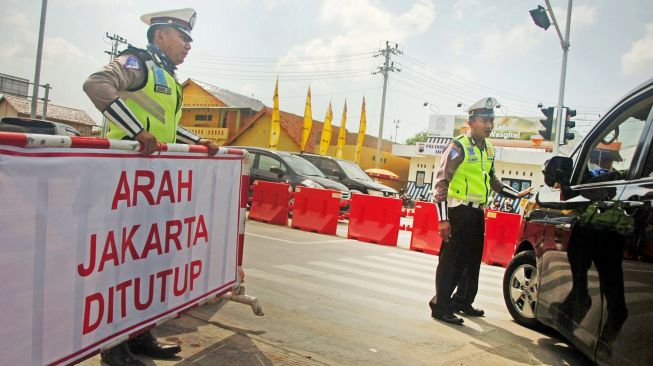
98 244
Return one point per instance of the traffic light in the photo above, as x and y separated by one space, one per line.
547 122
569 124
540 17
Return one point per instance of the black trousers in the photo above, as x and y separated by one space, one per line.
460 260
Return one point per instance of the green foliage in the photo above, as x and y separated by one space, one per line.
419 137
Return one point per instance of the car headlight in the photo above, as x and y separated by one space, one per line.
309 183
373 192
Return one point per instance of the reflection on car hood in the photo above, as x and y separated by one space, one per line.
328 183
376 185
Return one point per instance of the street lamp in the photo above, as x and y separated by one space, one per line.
541 19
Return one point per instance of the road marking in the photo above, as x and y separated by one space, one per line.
300 242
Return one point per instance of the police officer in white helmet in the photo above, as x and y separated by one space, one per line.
462 184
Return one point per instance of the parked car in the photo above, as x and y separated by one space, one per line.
26 125
281 166
584 263
349 174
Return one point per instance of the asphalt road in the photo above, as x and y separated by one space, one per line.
333 301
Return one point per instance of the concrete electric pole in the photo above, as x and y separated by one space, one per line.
388 66
115 41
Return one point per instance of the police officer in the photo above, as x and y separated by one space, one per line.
462 184
139 93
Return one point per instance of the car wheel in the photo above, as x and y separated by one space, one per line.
520 289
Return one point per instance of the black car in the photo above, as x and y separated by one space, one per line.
349 174
26 125
584 263
281 166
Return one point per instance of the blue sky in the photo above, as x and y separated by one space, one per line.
453 51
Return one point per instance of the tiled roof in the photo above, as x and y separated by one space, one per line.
55 112
293 124
230 98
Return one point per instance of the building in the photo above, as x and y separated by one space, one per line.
520 152
21 106
257 133
215 113
13 85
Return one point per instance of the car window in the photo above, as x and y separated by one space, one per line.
302 166
267 163
611 154
328 166
354 171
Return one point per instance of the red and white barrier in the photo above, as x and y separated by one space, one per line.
270 202
100 242
374 219
316 210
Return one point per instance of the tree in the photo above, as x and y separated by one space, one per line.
419 137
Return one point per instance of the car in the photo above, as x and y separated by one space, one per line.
349 174
26 125
584 262
282 166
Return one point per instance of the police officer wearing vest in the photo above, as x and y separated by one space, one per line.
462 186
139 93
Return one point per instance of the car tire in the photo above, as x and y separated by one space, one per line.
520 289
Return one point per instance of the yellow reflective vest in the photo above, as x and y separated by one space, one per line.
157 105
471 181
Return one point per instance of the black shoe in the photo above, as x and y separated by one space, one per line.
120 356
469 310
449 318
146 344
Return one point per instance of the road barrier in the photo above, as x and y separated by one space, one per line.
502 231
374 219
426 236
270 202
316 210
105 242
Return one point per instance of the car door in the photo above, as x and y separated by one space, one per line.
626 268
588 229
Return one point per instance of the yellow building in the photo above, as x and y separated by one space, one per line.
215 113
257 133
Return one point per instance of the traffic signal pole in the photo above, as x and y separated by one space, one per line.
564 42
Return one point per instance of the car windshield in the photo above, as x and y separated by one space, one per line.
302 166
354 171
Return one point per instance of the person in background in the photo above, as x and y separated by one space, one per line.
139 93
462 185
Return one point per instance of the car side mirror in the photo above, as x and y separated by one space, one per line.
558 170
278 171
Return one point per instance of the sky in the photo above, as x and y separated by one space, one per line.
450 52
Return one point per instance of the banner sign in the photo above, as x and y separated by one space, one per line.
505 128
99 244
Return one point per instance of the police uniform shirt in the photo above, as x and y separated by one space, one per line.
125 72
451 159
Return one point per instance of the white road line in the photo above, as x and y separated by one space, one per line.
300 242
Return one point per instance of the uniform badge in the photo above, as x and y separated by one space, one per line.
160 83
132 63
454 154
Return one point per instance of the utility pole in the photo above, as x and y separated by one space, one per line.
396 129
116 42
387 67
39 54
45 100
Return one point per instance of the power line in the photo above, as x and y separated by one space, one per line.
388 66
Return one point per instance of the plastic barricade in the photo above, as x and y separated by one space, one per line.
502 231
270 202
374 219
316 210
426 236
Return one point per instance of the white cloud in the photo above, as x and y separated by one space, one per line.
499 45
362 25
458 45
57 48
582 16
639 59
464 73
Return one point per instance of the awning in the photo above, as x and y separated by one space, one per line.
381 174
